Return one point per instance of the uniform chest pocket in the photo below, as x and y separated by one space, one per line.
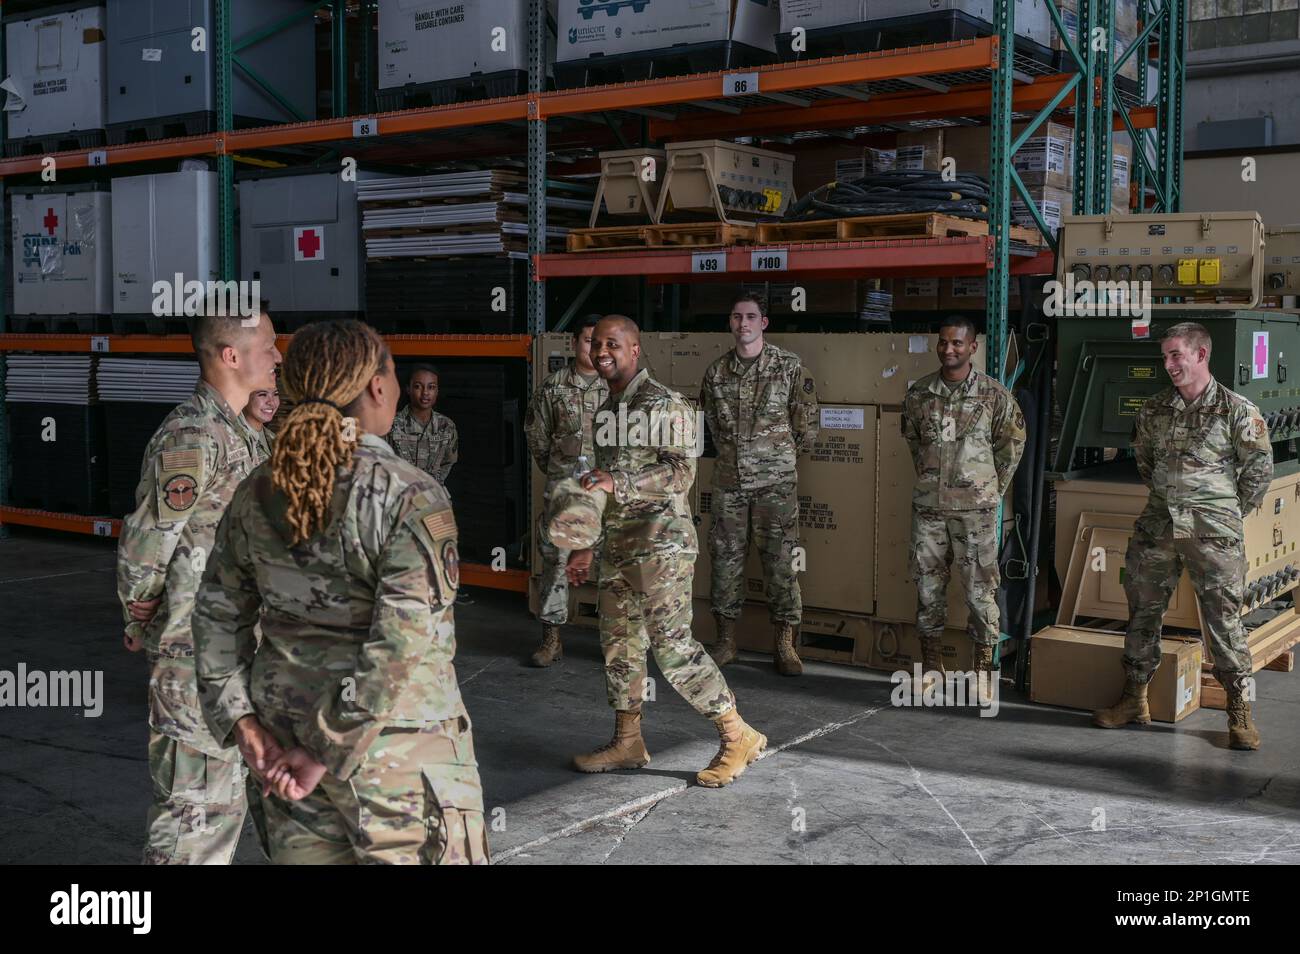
1207 438
724 405
568 416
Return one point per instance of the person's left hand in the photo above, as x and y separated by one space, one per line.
598 480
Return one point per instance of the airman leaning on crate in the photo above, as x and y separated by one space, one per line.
558 428
192 465
420 435
761 408
648 562
1205 454
966 434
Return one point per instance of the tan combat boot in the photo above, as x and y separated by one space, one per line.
625 751
550 650
1132 707
787 661
741 746
932 671
724 650
1242 733
985 688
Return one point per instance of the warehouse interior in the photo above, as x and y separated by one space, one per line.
472 178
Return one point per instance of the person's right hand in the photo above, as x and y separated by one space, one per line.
142 611
294 776
579 566
257 746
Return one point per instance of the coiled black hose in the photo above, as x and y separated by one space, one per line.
892 193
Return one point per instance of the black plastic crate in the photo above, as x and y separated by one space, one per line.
67 473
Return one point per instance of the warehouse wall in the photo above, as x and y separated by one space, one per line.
1228 86
1214 185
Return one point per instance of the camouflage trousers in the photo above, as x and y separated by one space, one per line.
1217 567
198 786
198 805
969 538
771 516
647 606
415 800
554 608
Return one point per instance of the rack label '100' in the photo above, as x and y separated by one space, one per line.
769 260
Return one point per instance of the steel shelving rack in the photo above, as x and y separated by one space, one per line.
975 79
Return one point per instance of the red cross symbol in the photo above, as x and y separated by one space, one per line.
1261 356
309 243
50 220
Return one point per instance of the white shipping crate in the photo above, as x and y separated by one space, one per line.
63 253
57 65
164 225
610 27
814 14
426 41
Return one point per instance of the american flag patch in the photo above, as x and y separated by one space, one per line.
181 459
441 524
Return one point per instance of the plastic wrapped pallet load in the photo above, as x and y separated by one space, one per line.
63 250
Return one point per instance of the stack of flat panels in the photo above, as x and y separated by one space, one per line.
455 214
53 379
137 394
876 305
140 380
56 434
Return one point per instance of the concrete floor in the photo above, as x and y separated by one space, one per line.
848 777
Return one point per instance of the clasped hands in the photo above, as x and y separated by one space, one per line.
292 774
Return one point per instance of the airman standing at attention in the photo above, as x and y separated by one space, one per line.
966 434
558 427
761 407
192 465
1205 453
420 435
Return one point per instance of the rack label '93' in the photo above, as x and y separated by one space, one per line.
710 263
769 260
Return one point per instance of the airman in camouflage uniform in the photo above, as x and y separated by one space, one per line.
966 434
646 437
355 668
761 408
261 410
1207 460
420 435
559 433
192 465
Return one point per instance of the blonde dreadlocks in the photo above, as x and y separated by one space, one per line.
326 368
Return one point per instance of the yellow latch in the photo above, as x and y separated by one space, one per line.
1209 271
1187 271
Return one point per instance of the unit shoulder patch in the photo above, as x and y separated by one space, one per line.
180 477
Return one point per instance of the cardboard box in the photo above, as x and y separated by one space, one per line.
817 298
1121 161
897 646
915 294
896 478
1052 204
836 515
1046 158
830 162
920 150
970 293
1082 669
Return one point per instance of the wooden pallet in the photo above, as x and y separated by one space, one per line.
918 225
622 238
1270 648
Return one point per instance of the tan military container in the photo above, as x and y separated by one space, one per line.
629 184
723 180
